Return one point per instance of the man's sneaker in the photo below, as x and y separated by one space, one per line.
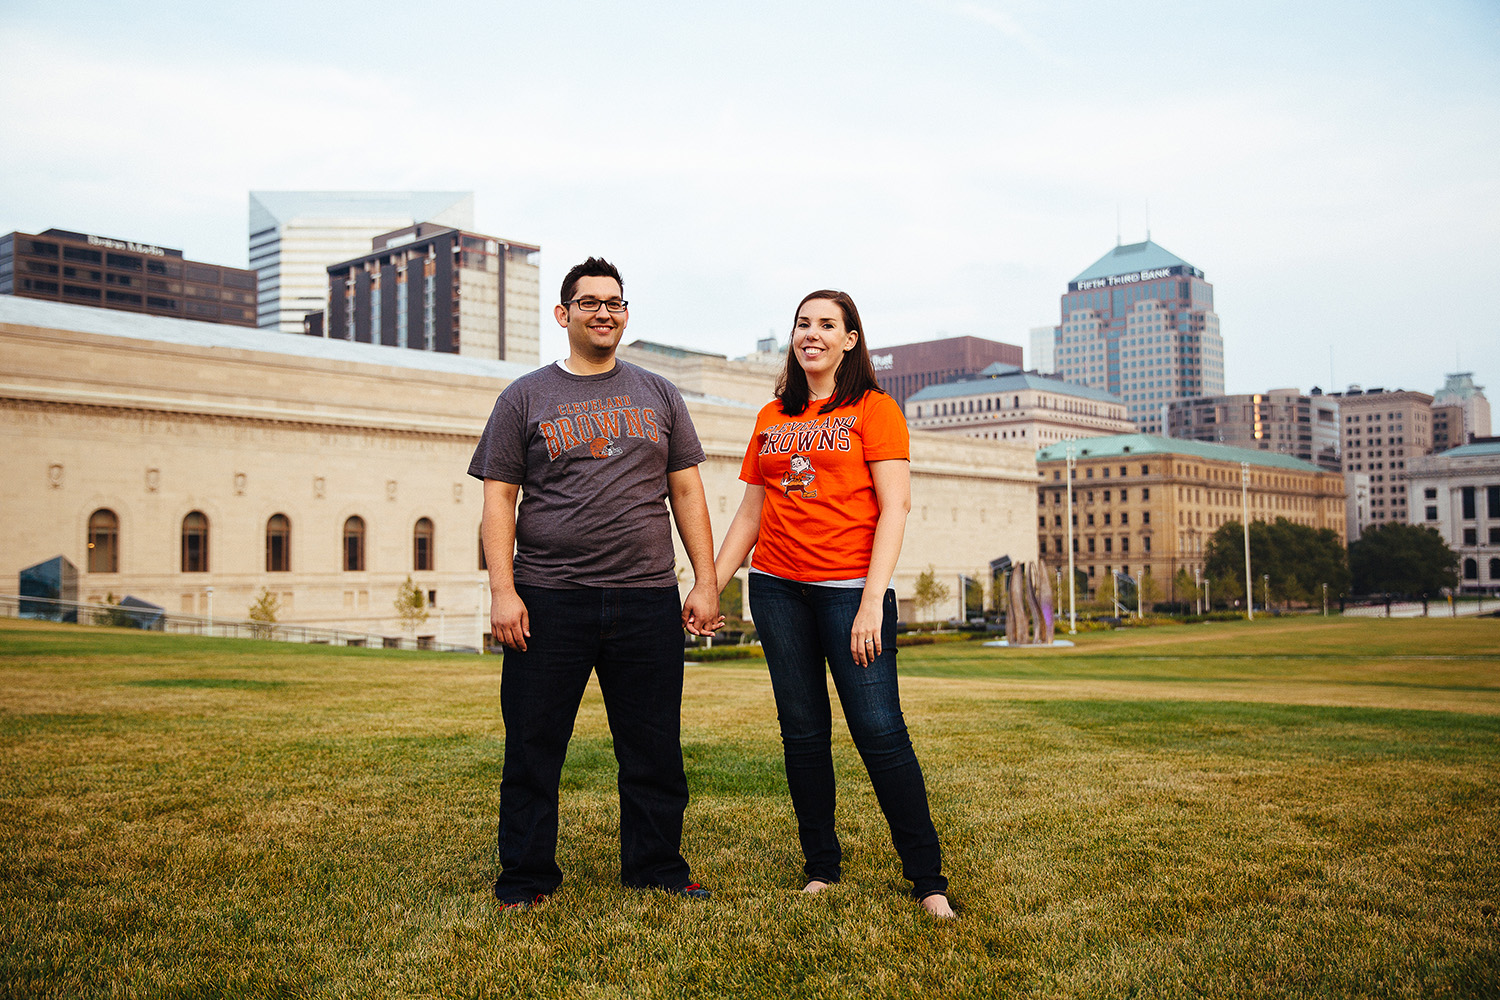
520 905
692 891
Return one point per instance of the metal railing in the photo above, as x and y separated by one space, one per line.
155 620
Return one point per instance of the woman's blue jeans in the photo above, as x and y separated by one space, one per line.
801 626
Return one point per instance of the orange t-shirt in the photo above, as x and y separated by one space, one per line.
818 520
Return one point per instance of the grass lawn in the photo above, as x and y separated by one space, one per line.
1304 807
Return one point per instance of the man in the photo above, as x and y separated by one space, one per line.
583 579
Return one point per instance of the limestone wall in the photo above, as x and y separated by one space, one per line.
153 431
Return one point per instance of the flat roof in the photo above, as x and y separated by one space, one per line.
195 333
1136 445
1006 378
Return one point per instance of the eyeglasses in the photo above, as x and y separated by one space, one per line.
591 304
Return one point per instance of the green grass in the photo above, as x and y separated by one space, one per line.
1288 808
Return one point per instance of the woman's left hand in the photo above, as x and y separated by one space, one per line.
864 640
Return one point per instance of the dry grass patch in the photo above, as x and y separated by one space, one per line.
1299 809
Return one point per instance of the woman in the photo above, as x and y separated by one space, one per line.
826 497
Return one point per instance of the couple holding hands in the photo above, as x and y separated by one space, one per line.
576 460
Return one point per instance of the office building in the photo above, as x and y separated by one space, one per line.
1457 493
1460 412
904 369
63 266
1281 420
427 287
1379 432
295 236
1148 504
1140 324
1007 404
1044 350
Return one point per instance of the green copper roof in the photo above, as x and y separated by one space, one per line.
1135 445
1478 449
1132 257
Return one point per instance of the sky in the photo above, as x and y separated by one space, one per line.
1333 170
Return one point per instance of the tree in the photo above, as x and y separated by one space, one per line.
929 592
411 605
732 600
1185 588
1395 558
1105 593
1297 558
1150 590
263 612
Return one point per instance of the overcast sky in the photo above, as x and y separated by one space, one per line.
1333 169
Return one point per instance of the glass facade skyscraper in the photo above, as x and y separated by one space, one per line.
1140 324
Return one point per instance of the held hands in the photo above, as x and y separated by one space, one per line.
864 640
700 612
509 621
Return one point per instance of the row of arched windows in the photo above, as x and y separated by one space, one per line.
104 543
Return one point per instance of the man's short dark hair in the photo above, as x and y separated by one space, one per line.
594 267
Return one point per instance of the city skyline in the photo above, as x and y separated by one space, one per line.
952 165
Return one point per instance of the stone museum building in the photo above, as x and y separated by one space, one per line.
193 465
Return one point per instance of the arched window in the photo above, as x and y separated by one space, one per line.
1471 569
421 545
1494 570
278 544
195 543
354 544
482 563
104 542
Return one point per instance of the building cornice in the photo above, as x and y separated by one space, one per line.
42 397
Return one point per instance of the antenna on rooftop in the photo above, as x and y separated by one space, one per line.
1117 224
1148 220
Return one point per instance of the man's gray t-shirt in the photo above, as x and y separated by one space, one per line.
591 454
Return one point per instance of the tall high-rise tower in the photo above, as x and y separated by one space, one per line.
1140 324
296 235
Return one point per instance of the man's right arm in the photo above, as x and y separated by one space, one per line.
497 526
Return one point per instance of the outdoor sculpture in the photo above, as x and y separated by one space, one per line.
1030 620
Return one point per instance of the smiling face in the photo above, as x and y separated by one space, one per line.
593 335
819 342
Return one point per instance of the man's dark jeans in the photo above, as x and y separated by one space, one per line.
801 625
633 638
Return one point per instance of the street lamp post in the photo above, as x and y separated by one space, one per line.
1072 584
1265 591
1245 518
1325 600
